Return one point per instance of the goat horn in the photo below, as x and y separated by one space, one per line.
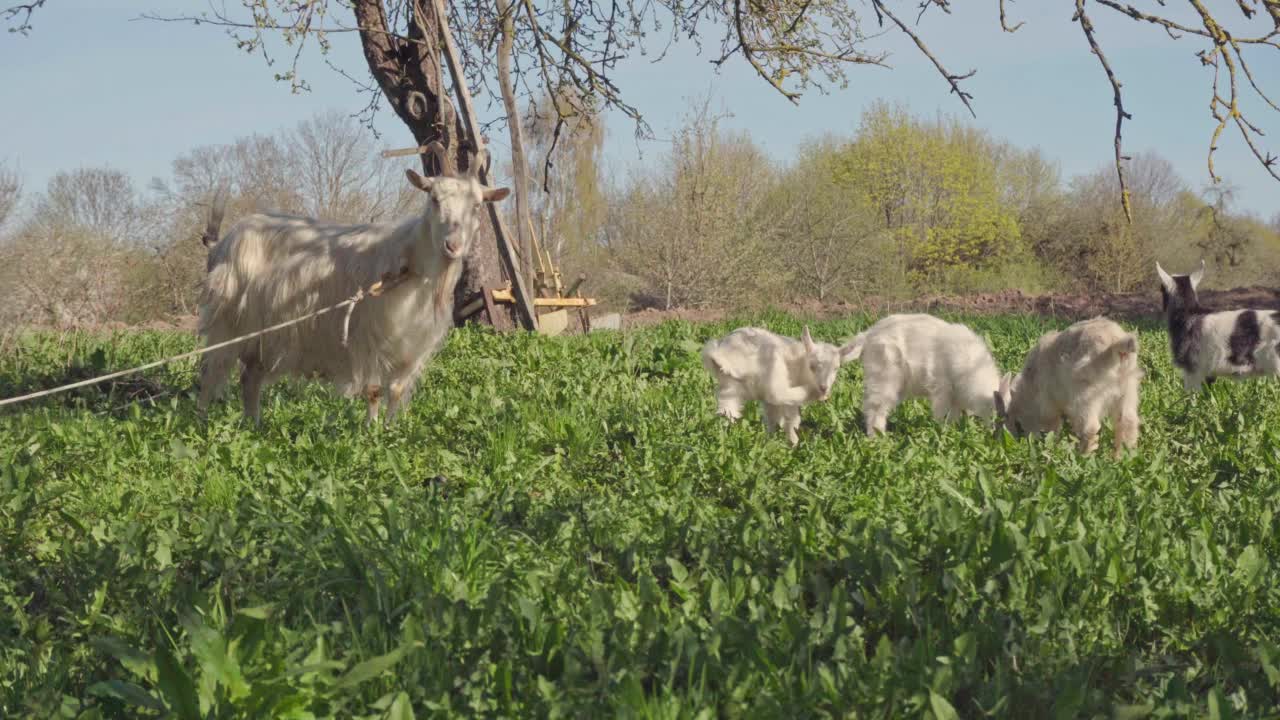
437 149
216 210
478 161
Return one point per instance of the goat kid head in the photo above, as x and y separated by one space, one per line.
822 363
1179 291
453 211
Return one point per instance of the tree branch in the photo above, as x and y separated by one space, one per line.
747 53
26 9
1249 75
1004 25
953 80
1121 115
1229 109
1273 9
1136 14
799 16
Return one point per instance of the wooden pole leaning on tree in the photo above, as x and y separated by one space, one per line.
406 151
524 307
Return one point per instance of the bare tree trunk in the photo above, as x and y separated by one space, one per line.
524 243
410 75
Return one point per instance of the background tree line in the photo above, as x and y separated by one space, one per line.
901 205
905 205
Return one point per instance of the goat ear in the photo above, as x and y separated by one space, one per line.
495 194
416 180
848 352
1006 389
1165 280
1001 411
807 339
1197 276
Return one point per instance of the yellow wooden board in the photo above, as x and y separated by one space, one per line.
503 295
553 323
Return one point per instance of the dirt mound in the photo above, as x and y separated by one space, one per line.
1127 306
179 323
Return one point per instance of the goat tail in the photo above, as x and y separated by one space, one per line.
718 363
221 287
852 350
1125 351
213 225
710 357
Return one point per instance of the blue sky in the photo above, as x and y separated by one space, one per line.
91 86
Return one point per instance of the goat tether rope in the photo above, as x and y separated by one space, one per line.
387 282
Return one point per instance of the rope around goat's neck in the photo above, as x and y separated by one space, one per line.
387 282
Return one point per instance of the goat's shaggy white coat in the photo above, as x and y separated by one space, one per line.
920 356
272 267
753 364
1083 373
1208 344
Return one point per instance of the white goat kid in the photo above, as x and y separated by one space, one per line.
753 364
1208 344
1082 373
920 356
270 268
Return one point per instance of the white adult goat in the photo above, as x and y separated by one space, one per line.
1081 373
920 356
271 267
753 364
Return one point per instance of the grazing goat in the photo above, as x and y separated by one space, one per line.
1081 373
916 355
752 364
1208 344
272 267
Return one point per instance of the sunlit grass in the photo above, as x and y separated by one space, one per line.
603 545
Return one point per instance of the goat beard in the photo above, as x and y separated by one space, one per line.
442 298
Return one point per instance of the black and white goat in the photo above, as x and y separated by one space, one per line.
1207 344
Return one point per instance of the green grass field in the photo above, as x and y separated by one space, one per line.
605 546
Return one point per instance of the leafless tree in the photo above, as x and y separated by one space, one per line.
568 201
1155 180
101 201
1096 247
832 239
10 191
338 174
70 262
693 229
1032 189
506 49
1227 238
